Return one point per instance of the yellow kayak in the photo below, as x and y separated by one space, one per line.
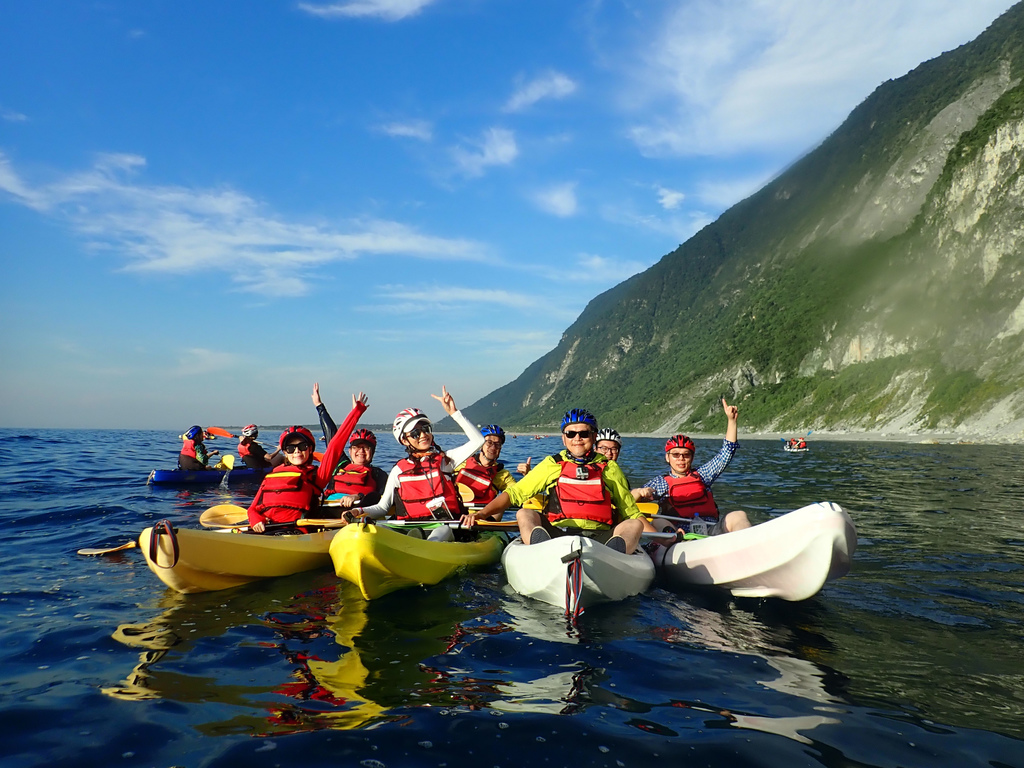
380 560
208 559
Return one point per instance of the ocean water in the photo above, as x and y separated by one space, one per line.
913 659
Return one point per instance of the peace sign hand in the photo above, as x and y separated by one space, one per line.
446 400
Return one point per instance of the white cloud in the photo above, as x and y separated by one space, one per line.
779 74
558 200
724 194
388 10
497 146
170 229
602 269
13 117
669 199
550 85
417 299
412 129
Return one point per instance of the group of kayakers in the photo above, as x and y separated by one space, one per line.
581 489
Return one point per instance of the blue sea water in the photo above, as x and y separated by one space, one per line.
913 659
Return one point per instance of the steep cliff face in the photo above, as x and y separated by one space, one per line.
878 284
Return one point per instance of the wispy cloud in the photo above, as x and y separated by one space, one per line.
170 229
678 226
203 360
602 269
558 200
550 85
669 199
725 193
411 129
778 75
388 10
417 299
497 146
11 116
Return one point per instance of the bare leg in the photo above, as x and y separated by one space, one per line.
629 531
736 521
528 519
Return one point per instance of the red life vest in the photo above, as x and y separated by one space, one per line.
351 479
581 495
244 449
287 493
688 497
479 479
421 481
188 448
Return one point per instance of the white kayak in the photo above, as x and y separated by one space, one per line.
575 572
791 556
793 449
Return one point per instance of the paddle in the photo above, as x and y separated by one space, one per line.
227 461
219 432
89 552
224 516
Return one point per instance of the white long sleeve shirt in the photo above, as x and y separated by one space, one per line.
453 458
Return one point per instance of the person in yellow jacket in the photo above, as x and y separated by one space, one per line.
587 493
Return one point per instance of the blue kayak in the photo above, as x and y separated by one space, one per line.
208 476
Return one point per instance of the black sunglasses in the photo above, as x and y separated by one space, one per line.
296 447
415 434
571 433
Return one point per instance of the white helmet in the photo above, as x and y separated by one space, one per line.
609 434
405 420
251 431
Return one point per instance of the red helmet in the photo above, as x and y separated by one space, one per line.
296 431
363 435
680 441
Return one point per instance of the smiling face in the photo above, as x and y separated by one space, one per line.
609 448
419 436
361 453
579 439
491 449
297 452
680 460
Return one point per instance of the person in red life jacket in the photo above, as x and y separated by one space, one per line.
292 490
686 492
482 473
802 443
252 453
421 486
356 482
587 493
194 457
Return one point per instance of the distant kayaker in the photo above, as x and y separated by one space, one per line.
194 457
686 492
356 482
252 453
482 473
292 490
587 493
422 486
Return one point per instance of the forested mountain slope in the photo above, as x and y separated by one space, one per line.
876 284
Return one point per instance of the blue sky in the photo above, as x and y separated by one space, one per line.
207 206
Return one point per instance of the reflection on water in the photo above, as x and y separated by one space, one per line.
912 659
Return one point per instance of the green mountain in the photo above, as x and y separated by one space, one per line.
877 284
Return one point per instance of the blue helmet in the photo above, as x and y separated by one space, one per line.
194 432
494 429
578 416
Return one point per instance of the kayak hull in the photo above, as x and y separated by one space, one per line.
205 477
789 557
210 560
380 560
541 571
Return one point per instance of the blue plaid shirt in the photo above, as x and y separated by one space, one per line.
708 471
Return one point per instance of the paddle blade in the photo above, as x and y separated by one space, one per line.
224 516
465 493
536 502
219 432
91 552
228 460
648 507
318 456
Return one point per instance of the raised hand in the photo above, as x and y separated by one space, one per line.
317 402
524 466
446 400
731 411
360 398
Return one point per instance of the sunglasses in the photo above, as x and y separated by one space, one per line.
420 431
680 455
571 433
296 447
